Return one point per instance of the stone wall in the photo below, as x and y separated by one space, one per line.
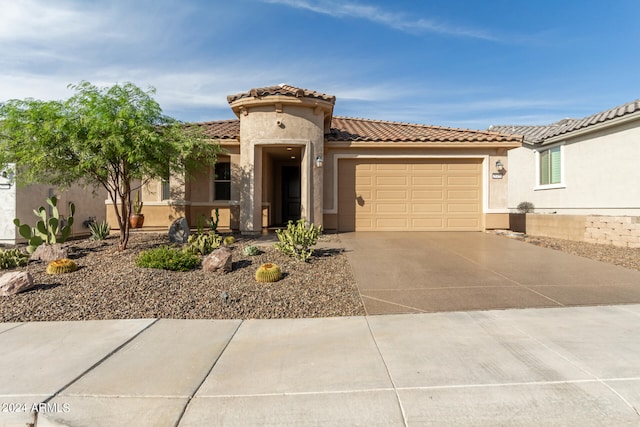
613 230
621 231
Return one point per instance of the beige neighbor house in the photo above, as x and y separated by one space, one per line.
582 175
287 157
19 202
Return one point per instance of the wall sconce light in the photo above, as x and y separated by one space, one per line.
499 166
319 161
7 178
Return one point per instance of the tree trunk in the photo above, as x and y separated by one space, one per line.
125 208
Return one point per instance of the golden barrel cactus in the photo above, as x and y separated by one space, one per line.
268 273
61 266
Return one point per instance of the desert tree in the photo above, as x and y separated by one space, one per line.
115 137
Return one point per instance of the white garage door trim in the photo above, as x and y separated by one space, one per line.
485 172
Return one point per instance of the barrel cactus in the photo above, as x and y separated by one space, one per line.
61 266
229 240
268 273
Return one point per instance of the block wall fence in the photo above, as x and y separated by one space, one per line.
623 231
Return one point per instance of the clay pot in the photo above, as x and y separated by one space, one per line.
136 220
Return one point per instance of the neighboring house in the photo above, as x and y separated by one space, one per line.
288 157
19 202
581 175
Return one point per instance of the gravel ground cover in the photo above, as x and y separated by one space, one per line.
108 285
624 257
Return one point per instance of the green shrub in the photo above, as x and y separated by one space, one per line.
296 240
202 244
229 240
525 207
167 258
12 258
251 250
99 230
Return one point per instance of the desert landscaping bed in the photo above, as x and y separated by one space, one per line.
108 285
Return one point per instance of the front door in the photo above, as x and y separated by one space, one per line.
290 193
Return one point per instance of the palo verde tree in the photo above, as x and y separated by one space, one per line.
112 137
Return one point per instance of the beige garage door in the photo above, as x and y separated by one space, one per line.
410 194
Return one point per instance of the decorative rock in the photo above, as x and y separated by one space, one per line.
15 282
48 253
179 231
219 259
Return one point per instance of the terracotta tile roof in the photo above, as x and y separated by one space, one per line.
534 134
281 89
613 113
221 130
350 129
538 134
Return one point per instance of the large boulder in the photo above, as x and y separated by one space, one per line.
15 282
218 260
48 253
179 231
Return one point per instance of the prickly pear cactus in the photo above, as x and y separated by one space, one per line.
48 230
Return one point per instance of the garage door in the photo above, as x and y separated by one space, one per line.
410 194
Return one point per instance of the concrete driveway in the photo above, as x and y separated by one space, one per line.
405 272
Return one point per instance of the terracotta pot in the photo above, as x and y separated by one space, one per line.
136 220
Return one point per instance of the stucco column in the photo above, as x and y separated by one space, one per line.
250 188
317 179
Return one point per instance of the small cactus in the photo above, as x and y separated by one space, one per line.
61 266
229 240
268 273
251 251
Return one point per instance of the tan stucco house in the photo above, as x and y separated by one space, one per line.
581 175
287 157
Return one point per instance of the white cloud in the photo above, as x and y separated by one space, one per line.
396 20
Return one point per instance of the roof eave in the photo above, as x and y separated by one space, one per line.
432 144
242 105
591 128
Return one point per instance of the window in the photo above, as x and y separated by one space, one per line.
550 166
222 181
166 189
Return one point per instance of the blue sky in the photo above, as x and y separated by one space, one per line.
452 63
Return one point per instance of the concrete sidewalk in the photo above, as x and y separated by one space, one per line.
558 366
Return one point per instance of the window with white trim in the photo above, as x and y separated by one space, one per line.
165 189
222 180
550 166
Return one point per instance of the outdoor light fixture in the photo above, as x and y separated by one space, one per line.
319 161
5 182
499 166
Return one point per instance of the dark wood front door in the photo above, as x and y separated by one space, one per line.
290 193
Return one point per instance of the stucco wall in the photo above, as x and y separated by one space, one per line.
601 175
289 125
7 214
87 204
